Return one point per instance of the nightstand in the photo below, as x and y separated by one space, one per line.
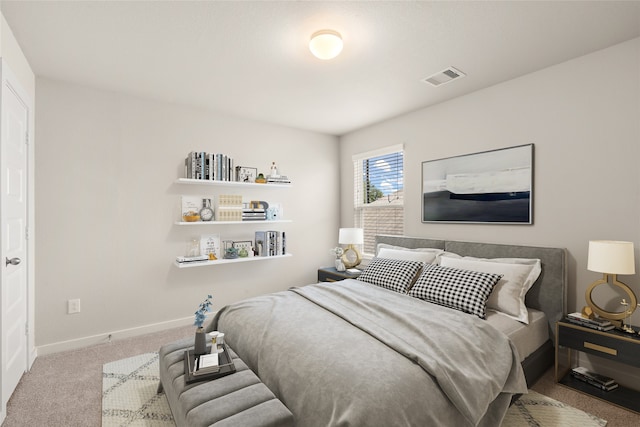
613 345
330 274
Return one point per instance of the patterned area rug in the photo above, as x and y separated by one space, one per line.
129 398
129 394
536 410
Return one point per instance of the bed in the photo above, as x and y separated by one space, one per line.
358 353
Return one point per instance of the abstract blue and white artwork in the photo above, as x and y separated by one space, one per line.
488 187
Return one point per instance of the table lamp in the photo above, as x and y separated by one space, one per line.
351 237
612 258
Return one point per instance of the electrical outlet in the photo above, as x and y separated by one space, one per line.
73 306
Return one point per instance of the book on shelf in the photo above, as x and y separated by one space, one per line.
188 259
597 324
270 243
254 215
209 166
281 179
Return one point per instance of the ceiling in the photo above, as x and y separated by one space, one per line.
251 59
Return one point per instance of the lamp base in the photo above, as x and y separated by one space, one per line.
613 316
587 312
352 259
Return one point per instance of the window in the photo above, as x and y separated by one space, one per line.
378 194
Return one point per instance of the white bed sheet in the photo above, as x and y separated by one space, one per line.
526 338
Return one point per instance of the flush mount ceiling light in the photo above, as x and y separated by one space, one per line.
325 44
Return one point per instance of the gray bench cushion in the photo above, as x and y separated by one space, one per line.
236 400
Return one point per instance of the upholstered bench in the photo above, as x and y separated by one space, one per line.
236 400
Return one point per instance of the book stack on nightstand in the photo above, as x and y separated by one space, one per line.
597 324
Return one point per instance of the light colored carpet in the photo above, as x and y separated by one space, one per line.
129 399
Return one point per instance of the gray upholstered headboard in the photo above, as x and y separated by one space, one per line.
547 294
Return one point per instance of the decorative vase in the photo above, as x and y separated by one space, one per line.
340 265
200 346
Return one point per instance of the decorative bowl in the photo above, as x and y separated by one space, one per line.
191 218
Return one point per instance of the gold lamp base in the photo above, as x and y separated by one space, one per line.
351 257
615 316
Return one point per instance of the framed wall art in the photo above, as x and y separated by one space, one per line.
246 174
488 187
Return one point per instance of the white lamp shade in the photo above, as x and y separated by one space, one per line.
325 44
611 257
351 236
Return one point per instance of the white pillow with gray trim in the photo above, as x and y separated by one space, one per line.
508 296
426 255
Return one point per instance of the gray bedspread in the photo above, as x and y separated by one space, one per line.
353 354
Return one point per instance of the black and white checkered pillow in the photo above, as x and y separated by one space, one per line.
397 275
463 290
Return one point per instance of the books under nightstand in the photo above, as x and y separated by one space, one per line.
597 323
596 380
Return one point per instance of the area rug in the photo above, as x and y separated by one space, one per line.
129 398
129 393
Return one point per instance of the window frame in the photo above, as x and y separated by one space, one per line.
360 208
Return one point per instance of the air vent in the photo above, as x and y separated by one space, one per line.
445 76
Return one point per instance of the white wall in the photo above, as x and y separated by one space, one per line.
583 117
107 200
10 51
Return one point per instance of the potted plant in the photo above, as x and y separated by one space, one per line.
200 346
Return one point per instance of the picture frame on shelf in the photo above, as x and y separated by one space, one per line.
246 174
210 244
274 212
190 208
242 246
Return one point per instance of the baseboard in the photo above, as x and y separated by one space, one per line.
110 336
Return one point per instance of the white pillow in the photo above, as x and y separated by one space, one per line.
507 297
426 255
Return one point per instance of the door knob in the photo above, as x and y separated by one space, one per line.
12 261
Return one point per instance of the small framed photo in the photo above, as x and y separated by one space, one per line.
247 245
210 244
246 174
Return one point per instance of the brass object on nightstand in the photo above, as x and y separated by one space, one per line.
611 258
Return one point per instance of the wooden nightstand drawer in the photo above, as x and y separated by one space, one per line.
610 345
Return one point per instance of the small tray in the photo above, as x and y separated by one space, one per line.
225 365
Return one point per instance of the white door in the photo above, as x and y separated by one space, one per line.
13 218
